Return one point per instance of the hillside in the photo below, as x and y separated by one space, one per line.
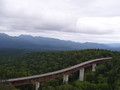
107 76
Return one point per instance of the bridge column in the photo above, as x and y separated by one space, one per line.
94 67
37 85
81 74
65 79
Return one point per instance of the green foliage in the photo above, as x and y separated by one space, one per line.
48 88
90 76
7 87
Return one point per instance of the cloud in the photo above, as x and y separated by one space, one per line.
90 17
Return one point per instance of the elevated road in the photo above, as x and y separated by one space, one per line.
55 74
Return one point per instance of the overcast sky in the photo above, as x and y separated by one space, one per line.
76 20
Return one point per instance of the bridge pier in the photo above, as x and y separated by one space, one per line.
65 79
94 67
81 74
37 85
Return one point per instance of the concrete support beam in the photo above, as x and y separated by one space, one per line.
81 74
65 79
94 67
37 85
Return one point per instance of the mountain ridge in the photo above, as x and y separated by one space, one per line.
39 43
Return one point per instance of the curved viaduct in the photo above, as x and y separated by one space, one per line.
51 75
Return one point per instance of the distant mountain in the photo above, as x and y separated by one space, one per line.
27 42
114 45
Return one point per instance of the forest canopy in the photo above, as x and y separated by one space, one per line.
106 77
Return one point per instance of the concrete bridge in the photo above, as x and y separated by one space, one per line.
51 75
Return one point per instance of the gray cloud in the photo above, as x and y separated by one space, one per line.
79 16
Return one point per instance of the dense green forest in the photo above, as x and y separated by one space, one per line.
106 77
